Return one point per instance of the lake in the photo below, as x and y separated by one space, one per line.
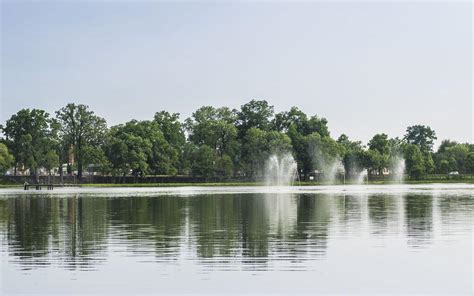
390 239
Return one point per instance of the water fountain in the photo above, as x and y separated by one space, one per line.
280 170
398 169
336 168
362 176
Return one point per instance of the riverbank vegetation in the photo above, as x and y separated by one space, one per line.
223 142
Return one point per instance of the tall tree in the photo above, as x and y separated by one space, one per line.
82 129
452 153
215 128
141 147
171 127
203 162
173 131
303 124
421 136
414 161
257 114
28 135
351 152
381 145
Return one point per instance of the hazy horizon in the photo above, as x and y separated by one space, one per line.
366 67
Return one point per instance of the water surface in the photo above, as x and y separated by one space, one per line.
394 239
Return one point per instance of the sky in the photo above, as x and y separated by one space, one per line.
367 67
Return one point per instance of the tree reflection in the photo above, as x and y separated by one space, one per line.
75 231
382 209
215 224
29 225
154 222
419 219
254 226
314 217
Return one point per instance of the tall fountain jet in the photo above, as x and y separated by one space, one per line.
334 170
362 177
280 170
398 169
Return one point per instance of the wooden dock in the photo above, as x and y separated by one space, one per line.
27 186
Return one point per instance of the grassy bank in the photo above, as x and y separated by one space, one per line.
233 184
378 182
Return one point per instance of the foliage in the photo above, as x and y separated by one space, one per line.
140 147
215 142
351 153
51 160
452 156
470 163
380 145
6 159
414 161
254 114
203 162
28 137
421 136
81 129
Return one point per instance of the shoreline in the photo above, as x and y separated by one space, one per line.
247 184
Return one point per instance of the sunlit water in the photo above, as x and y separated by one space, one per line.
394 239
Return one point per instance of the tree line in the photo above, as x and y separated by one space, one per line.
212 142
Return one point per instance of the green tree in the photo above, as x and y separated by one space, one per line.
215 128
224 166
351 152
51 161
28 137
322 152
381 144
470 163
203 162
254 114
303 124
414 161
254 151
459 152
428 163
141 148
6 159
173 131
82 129
299 127
447 165
257 147
453 153
171 127
421 136
446 144
372 160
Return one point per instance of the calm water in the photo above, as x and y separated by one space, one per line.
345 240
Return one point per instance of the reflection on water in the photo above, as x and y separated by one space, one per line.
254 233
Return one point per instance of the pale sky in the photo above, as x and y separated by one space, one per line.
367 67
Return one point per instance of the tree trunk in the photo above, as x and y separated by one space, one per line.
79 168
